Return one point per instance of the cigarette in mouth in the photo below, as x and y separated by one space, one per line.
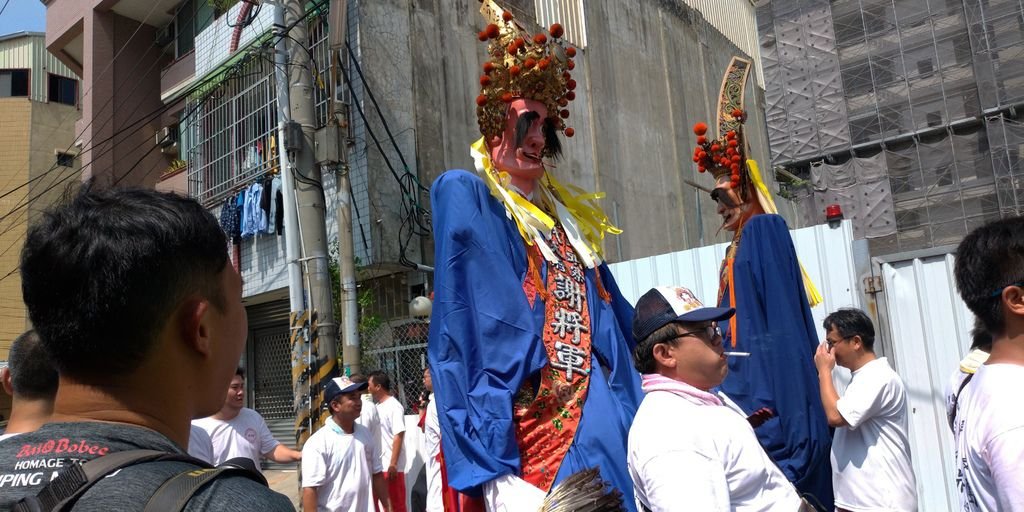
737 354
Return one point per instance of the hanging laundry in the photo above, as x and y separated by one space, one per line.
240 209
251 216
229 219
279 206
273 209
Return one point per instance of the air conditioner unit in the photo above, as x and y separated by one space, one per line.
167 140
167 136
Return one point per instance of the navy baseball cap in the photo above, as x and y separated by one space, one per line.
340 386
666 304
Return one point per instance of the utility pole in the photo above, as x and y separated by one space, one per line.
291 222
309 193
350 355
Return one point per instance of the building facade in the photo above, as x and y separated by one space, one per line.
39 99
905 112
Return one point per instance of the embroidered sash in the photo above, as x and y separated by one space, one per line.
546 421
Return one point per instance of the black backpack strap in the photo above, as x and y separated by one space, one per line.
956 402
174 494
62 492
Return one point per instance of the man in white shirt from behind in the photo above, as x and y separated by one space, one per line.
237 431
871 468
686 450
989 421
31 380
340 466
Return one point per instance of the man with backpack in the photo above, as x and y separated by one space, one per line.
134 298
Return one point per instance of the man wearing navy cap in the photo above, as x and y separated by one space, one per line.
340 461
684 445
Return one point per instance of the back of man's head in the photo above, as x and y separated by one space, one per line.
103 274
850 322
33 376
988 260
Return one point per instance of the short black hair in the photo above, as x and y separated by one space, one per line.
33 375
643 354
989 259
239 371
102 274
358 378
379 377
980 337
850 322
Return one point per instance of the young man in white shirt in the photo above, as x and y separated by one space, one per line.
340 465
392 435
237 431
989 422
686 450
871 467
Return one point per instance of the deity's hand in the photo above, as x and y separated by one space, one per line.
823 358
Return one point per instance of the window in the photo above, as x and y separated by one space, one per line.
13 83
190 19
925 67
933 118
65 159
63 90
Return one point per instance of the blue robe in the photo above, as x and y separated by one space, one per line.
486 341
774 323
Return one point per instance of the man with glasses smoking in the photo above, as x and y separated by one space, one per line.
686 449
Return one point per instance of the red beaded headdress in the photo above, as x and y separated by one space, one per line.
522 65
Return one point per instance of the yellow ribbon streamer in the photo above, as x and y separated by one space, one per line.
533 223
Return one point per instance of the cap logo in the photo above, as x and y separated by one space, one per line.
687 301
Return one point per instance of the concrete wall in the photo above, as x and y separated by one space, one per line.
651 70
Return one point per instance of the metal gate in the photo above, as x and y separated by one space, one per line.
269 355
272 374
926 330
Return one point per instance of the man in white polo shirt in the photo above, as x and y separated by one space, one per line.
870 448
686 450
237 431
340 465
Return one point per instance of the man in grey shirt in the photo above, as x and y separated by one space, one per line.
134 298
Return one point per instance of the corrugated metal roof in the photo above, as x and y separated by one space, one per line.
27 50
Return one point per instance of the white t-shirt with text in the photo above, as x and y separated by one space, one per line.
392 423
245 435
871 468
989 435
685 456
340 466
